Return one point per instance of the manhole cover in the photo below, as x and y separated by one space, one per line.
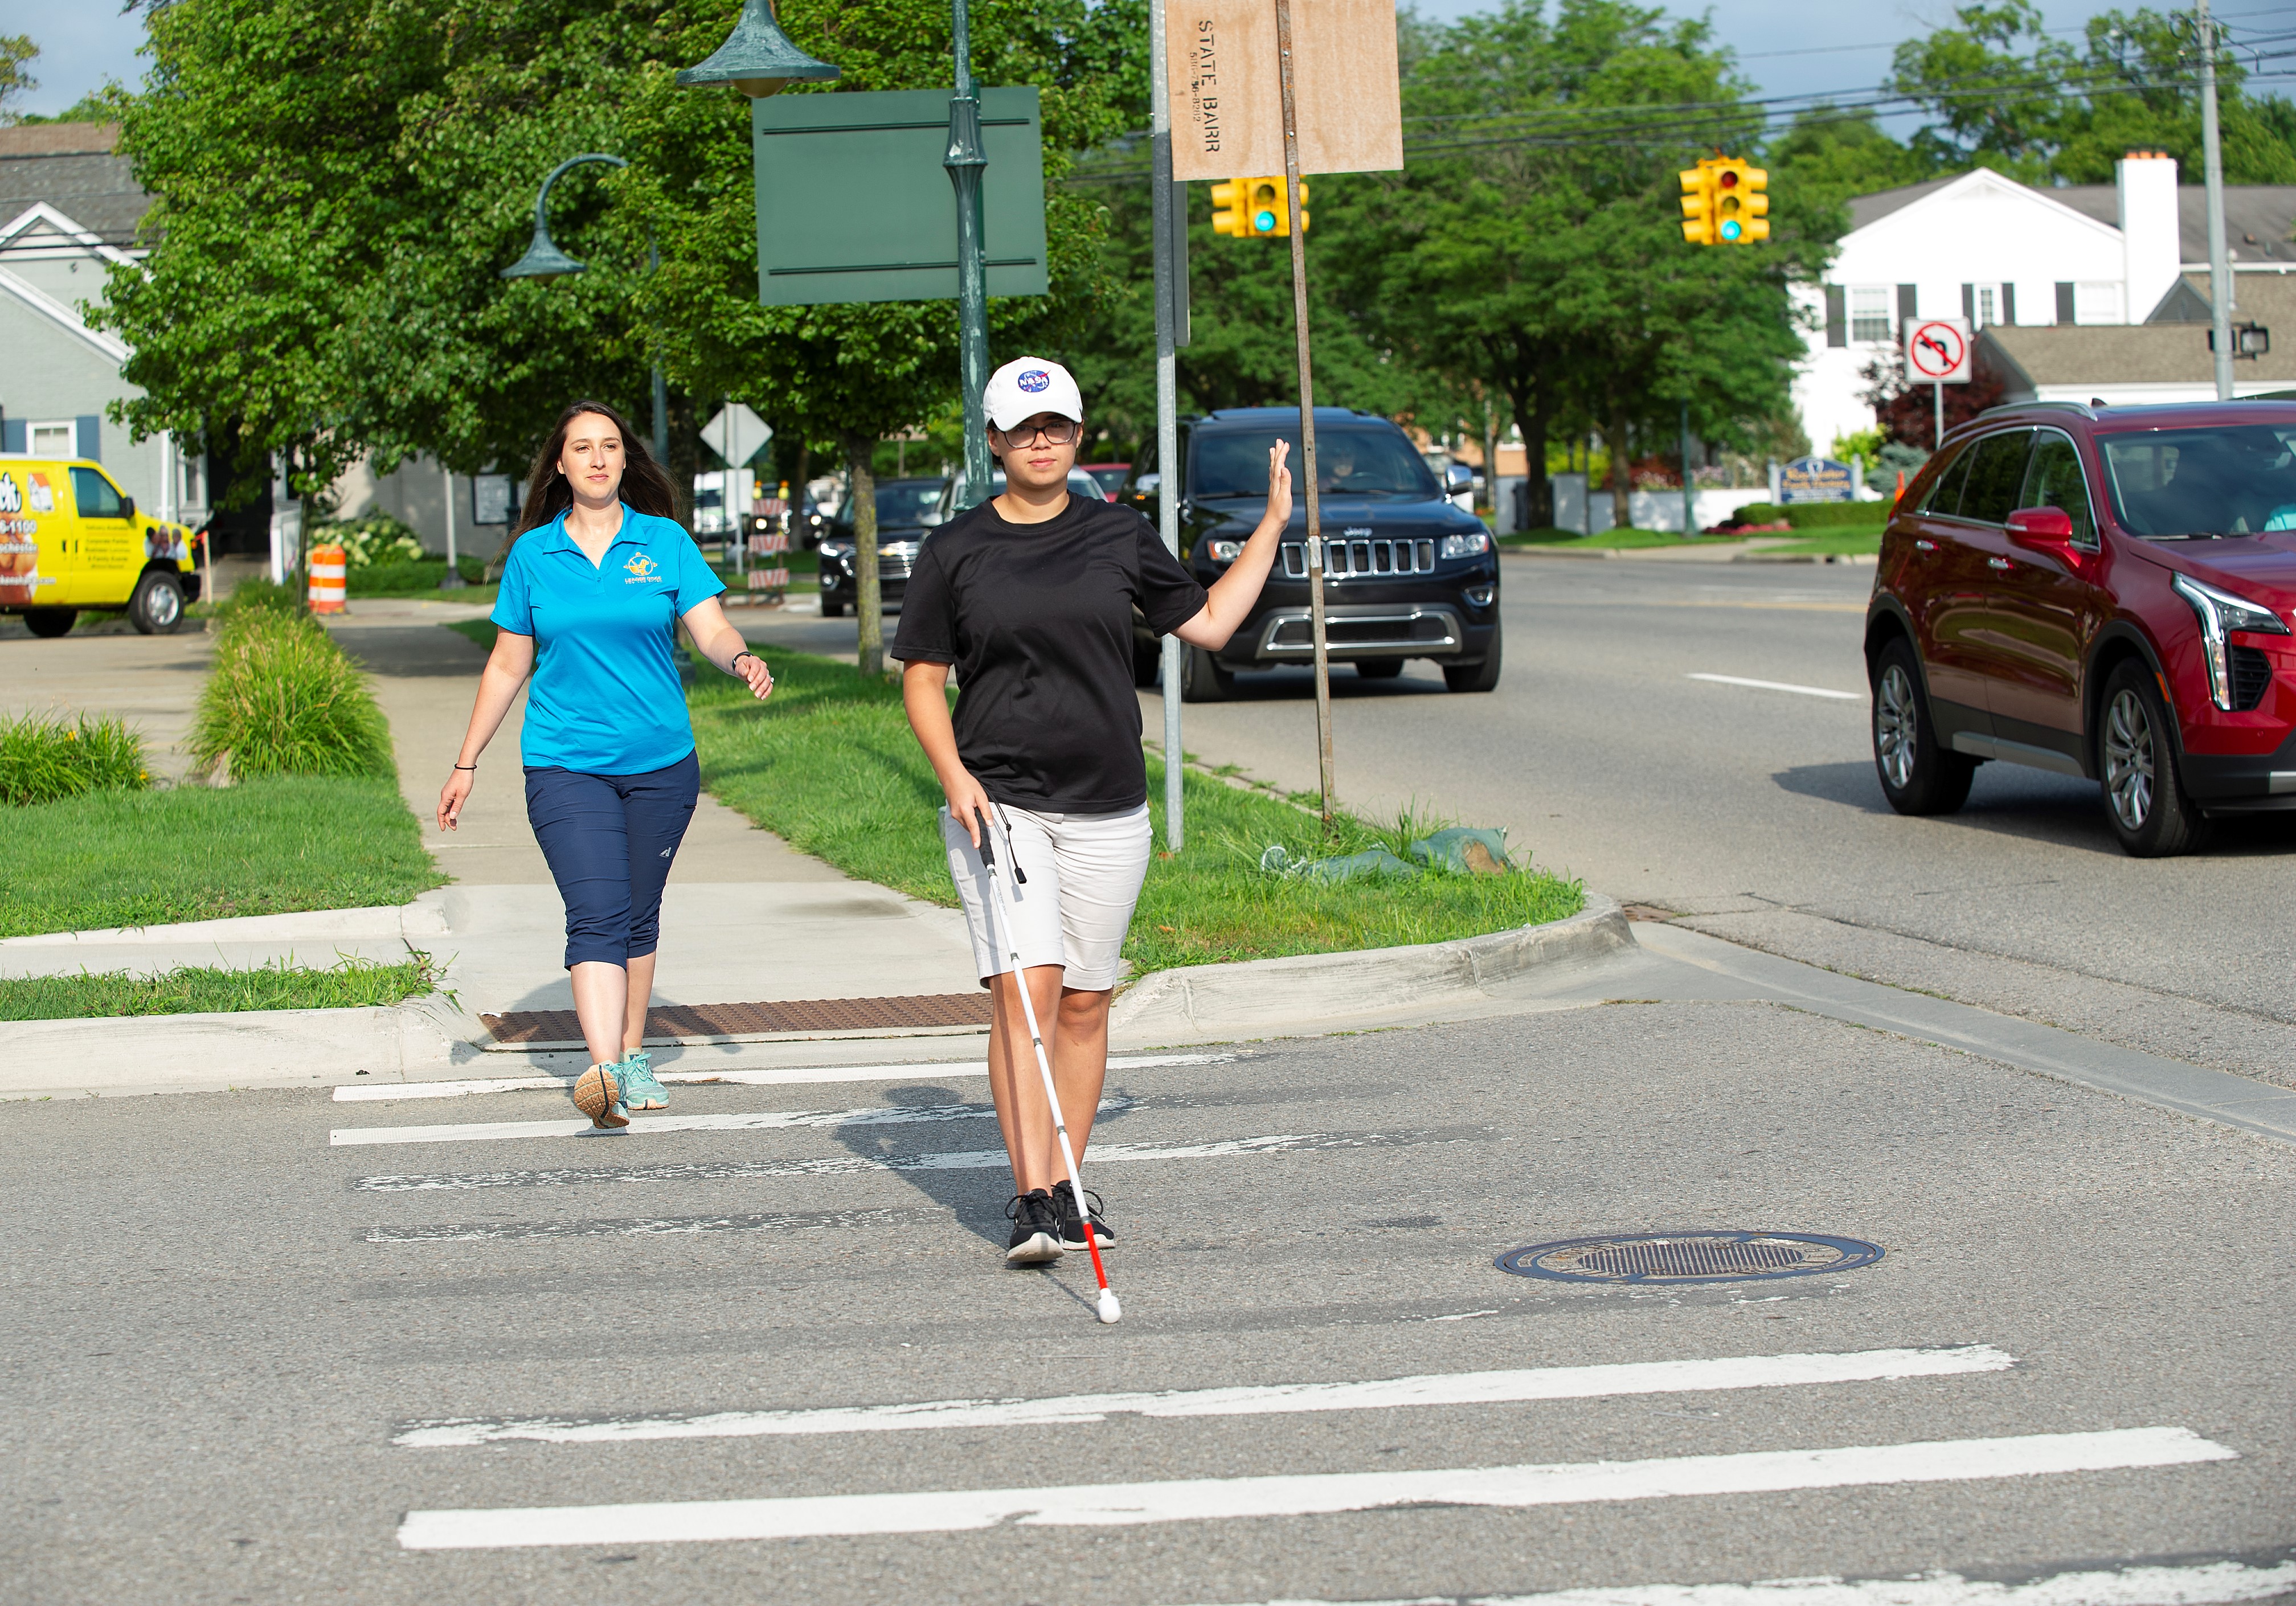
1689 1256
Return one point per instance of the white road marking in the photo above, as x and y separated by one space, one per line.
2204 1584
655 1227
776 1077
1451 1389
976 1159
1205 1499
1779 685
757 1120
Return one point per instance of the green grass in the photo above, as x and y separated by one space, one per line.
1836 542
43 759
482 632
830 765
284 700
190 990
268 846
1609 540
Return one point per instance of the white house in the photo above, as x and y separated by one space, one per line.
2003 254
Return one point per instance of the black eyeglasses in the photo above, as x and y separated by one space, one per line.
1059 432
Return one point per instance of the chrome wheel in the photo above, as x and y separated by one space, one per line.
1895 724
2129 761
165 608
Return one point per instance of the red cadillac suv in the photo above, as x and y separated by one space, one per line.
2103 592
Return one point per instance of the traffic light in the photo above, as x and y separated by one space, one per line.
1698 204
1253 208
1740 209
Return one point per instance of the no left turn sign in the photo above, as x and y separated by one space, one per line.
1937 351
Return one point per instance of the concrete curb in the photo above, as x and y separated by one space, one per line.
1311 991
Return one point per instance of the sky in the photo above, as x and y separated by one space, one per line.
1786 46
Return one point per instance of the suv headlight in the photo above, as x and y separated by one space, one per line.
1464 545
1225 552
2220 614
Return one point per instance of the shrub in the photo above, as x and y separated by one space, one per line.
284 700
397 576
43 759
371 537
1814 515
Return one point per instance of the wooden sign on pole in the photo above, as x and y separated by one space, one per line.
1224 74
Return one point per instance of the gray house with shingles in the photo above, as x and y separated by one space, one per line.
2164 359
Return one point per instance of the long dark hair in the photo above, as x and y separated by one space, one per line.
645 485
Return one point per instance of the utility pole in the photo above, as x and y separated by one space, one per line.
965 159
1299 233
1170 222
2212 162
1689 496
453 580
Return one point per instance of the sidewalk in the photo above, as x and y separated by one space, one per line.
745 919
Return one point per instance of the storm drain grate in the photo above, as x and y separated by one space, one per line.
1689 1256
690 1021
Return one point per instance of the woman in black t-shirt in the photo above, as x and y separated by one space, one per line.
1029 598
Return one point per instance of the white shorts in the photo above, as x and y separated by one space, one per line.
1084 875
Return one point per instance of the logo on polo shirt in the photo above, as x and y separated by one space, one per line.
641 569
1034 381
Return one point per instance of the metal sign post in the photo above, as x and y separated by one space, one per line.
1307 408
1937 354
964 161
1169 224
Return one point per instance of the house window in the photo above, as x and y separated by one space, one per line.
2097 301
196 480
55 440
1989 305
1869 313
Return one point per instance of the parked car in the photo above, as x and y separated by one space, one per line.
907 509
73 542
1111 476
2100 592
1406 574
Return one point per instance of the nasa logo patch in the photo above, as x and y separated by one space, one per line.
1034 380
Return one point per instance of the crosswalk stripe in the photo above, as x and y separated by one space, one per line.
761 1076
756 1120
656 1226
1452 1388
2201 1583
1205 1499
973 1160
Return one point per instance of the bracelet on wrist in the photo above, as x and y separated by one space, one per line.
472 767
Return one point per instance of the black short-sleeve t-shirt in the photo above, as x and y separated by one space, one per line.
1036 620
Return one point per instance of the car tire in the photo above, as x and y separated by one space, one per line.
831 611
2137 768
49 622
1202 679
1483 676
1380 668
1919 773
157 607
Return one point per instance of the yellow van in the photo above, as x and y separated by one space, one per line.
71 542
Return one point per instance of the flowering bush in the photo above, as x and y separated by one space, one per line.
373 537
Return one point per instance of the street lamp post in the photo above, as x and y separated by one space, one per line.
965 161
545 261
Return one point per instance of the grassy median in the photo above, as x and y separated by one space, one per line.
135 858
194 989
829 764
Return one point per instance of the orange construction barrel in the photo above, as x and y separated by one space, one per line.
329 566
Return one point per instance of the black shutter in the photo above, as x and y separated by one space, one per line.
1837 315
1969 302
1909 302
2064 301
2008 304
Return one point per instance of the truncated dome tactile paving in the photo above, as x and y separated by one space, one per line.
1689 1256
686 1022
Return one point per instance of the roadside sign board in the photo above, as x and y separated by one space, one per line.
1816 479
1938 351
854 205
736 434
490 499
1227 111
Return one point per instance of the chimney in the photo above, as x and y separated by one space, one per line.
2151 233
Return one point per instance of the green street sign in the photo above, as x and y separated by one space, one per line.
854 204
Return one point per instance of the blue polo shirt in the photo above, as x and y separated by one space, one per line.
605 699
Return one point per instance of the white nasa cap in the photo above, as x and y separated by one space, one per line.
1030 385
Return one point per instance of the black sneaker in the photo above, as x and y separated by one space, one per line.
1064 1211
1036 1230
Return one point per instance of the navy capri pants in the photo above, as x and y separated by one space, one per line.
611 841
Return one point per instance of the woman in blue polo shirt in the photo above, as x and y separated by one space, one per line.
597 577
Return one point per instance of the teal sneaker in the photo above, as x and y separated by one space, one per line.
641 1088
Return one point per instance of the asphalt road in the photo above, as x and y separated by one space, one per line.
1755 813
256 1365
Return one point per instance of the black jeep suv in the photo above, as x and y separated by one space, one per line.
1407 573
